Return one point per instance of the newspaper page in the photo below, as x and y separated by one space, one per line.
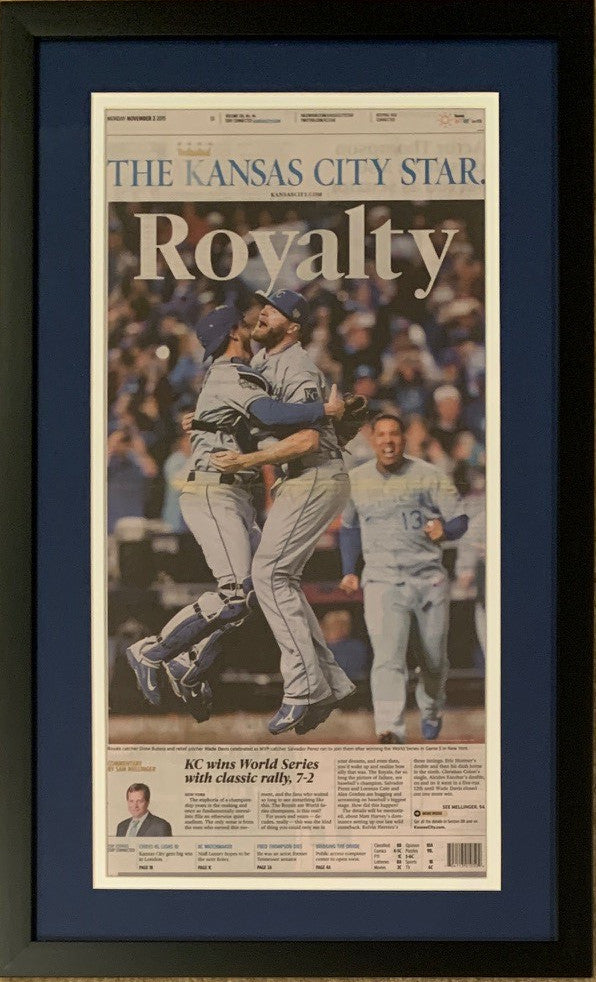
295 491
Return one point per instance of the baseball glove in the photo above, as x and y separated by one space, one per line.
355 415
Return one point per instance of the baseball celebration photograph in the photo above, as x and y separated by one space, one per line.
295 494
296 489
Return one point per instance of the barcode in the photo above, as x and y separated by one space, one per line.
464 854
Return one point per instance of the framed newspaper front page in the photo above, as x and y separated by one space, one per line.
284 747
310 574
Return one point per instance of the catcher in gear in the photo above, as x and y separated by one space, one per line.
219 510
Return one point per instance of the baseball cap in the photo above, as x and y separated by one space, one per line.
214 327
365 371
289 303
446 392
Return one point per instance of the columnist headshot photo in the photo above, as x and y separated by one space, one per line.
141 822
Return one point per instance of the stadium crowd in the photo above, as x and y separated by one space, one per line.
424 359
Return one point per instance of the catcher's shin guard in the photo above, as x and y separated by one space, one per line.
186 670
184 676
211 613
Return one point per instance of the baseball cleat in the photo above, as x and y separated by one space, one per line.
286 718
175 671
145 673
187 669
199 701
202 655
390 737
142 650
320 711
431 728
188 686
317 714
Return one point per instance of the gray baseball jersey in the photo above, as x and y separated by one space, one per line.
403 575
392 509
293 377
228 390
472 546
471 558
221 515
302 509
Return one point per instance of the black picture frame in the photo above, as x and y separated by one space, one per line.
570 24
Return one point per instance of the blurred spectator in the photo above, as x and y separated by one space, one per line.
184 305
198 226
319 347
472 358
448 423
410 390
185 374
358 346
366 383
419 443
450 368
428 365
350 653
470 570
474 414
155 426
129 468
461 318
466 449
